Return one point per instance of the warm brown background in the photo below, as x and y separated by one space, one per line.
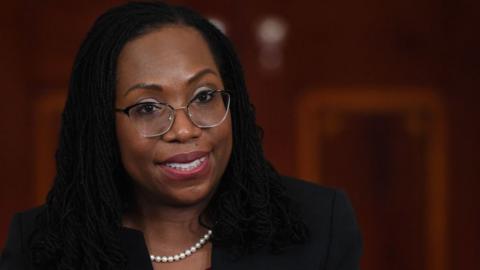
394 89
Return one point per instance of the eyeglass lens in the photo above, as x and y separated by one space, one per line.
206 110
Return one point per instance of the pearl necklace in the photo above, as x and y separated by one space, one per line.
184 254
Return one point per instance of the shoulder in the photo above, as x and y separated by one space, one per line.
14 254
318 203
298 188
327 212
28 216
312 199
25 220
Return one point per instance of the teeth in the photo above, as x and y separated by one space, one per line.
186 166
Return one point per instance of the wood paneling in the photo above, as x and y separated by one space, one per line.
387 149
340 45
46 126
15 154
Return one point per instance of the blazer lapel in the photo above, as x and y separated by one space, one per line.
133 244
222 260
291 258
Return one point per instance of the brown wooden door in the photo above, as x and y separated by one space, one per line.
411 171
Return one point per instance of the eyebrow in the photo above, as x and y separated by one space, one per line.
153 86
149 86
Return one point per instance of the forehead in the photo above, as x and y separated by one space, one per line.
168 53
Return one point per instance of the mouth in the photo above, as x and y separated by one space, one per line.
189 166
185 167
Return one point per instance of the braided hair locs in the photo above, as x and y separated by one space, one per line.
79 225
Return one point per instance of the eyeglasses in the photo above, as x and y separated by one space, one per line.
207 109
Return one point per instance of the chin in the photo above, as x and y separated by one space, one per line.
192 196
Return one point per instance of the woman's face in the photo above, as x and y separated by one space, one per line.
183 166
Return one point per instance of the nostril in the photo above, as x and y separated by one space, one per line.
182 129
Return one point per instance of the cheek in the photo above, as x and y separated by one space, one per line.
134 149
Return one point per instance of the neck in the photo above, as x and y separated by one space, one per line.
166 228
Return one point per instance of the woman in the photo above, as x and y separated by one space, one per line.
160 164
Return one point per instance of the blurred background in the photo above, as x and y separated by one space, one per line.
378 98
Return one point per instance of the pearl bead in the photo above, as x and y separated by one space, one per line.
182 255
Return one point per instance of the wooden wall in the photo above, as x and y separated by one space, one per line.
332 49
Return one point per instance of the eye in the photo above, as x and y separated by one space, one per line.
147 108
204 96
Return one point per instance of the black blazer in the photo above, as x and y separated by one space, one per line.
334 243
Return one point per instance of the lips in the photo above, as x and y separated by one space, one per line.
185 158
186 166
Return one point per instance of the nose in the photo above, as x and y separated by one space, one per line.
182 130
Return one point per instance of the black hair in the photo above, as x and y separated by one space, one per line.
78 228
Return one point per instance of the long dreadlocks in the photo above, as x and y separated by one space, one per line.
78 228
